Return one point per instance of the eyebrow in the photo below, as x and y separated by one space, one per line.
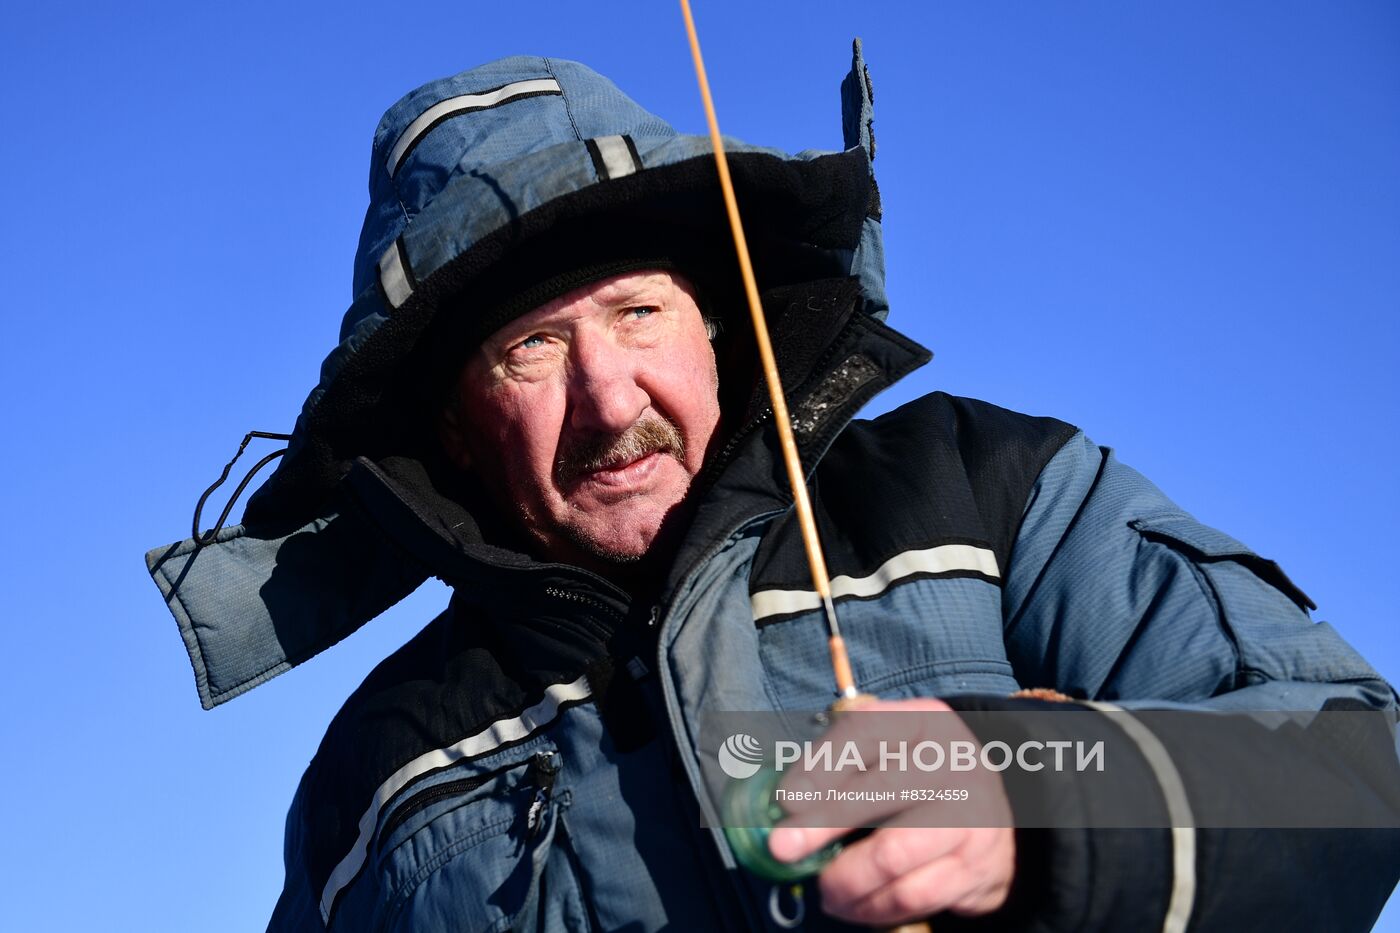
620 292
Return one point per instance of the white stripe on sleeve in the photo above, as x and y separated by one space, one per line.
946 558
1183 894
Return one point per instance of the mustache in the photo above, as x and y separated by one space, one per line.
600 451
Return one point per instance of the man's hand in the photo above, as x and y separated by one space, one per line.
905 872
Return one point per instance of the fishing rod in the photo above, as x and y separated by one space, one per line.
751 810
846 689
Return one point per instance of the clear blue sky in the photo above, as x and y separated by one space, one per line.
1176 225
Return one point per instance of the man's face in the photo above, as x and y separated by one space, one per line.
591 414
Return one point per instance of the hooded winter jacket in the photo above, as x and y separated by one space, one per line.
530 760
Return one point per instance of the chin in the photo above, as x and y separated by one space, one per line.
618 549
637 530
615 542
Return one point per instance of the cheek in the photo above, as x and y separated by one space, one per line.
518 434
707 389
695 393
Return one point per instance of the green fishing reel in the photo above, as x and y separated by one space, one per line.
750 814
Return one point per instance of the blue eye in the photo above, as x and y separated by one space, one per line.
643 311
532 342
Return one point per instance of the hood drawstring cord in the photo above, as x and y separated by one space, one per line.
208 537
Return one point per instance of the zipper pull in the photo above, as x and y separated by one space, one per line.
654 617
543 769
534 819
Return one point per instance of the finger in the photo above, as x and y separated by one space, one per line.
829 819
790 843
927 890
796 838
882 858
973 878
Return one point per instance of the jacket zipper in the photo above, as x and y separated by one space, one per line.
432 795
717 463
541 771
589 601
822 366
671 707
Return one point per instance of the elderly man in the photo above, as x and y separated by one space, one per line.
544 396
590 416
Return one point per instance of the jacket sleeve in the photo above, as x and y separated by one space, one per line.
1115 595
296 910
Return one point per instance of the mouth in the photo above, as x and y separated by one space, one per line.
624 473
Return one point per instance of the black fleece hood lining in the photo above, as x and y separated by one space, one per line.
800 215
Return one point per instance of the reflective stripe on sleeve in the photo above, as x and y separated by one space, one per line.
944 559
1183 895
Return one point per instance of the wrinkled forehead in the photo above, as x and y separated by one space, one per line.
622 288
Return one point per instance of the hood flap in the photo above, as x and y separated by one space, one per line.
251 605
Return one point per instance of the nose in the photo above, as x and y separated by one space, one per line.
604 395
